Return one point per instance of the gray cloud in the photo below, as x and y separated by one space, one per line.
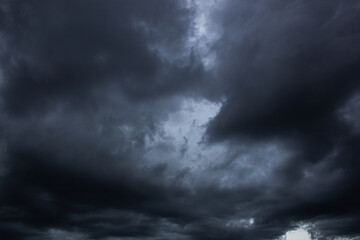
119 120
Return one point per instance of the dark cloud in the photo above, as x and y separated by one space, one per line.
109 125
55 50
289 67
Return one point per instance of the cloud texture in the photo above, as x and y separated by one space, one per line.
230 119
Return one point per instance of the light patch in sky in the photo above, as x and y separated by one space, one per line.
192 113
240 223
204 33
298 234
179 142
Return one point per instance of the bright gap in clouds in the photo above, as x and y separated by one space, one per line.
181 136
205 34
192 113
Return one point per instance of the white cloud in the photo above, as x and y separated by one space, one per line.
298 234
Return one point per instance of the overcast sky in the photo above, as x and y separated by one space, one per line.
184 120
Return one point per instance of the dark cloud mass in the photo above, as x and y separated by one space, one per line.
221 119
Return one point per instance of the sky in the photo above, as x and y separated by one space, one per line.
174 119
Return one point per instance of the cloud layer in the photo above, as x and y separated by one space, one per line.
179 119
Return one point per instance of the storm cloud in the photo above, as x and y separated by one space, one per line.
221 119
